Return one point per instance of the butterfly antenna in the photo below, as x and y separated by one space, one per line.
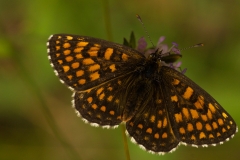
140 19
196 45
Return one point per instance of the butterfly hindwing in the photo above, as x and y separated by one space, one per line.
101 105
151 127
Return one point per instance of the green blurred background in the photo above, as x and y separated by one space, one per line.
28 86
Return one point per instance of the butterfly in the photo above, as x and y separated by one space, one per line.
160 106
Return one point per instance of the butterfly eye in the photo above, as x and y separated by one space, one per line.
151 55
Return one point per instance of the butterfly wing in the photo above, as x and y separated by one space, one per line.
151 127
84 62
101 105
197 118
98 71
159 113
114 101
179 111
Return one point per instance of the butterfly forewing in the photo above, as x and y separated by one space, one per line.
83 62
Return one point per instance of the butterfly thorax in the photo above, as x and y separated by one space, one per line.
153 65
145 81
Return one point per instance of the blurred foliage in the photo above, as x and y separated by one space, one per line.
28 84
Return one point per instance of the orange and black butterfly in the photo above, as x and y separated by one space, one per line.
161 107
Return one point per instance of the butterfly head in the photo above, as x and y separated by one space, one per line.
161 54
162 58
155 56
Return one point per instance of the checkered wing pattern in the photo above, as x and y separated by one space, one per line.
101 105
113 83
151 127
199 119
84 62
179 112
98 72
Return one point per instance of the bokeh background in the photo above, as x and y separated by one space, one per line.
36 117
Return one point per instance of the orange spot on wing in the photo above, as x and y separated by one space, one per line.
124 57
140 126
174 98
202 135
212 108
220 121
204 117
199 103
60 61
188 93
185 113
152 118
194 114
159 125
199 126
101 96
164 122
208 127
156 135
149 130
103 108
78 50
178 117
82 44
82 81
79 56
94 106
164 135
89 99
79 73
108 53
88 61
189 127
214 124
110 98
66 52
66 68
112 113
57 48
182 130
69 37
112 67
99 91
175 82
69 58
66 45
94 76
94 67
70 77
75 65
